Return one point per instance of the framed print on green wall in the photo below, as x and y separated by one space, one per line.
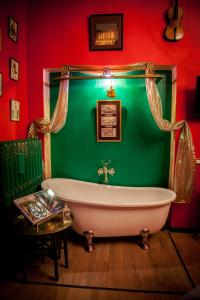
108 121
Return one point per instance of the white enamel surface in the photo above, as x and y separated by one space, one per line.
113 210
107 195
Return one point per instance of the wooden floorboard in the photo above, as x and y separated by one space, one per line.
16 291
119 263
188 246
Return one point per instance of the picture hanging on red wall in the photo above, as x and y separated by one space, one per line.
14 69
12 29
1 85
14 110
0 40
106 32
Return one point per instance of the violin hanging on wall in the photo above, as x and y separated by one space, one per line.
174 30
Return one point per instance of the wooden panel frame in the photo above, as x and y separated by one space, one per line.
47 137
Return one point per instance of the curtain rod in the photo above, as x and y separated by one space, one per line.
110 77
148 68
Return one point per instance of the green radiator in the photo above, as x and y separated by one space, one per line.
20 169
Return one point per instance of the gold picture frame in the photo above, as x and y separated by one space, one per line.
106 32
108 120
12 29
1 84
13 69
14 110
0 39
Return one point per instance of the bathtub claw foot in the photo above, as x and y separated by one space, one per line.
144 234
89 236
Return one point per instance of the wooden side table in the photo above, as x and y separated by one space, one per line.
49 235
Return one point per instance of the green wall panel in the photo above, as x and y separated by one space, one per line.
140 159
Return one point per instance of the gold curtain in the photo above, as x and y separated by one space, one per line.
185 157
59 116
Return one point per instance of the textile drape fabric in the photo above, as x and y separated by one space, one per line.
59 116
185 158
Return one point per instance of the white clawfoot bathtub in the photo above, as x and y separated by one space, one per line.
113 210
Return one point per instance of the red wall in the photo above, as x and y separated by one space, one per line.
58 34
17 90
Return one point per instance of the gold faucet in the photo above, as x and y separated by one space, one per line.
106 171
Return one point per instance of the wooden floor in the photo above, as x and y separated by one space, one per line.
117 269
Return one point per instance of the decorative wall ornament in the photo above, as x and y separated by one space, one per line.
14 110
106 32
1 84
108 121
13 69
0 40
174 30
12 29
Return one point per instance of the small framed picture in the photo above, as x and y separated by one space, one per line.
0 40
108 121
1 85
14 69
106 32
12 29
14 110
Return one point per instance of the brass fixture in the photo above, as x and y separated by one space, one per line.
65 73
144 234
106 171
102 72
89 236
111 92
106 73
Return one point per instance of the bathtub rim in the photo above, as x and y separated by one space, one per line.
111 204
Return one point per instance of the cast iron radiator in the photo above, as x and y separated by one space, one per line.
20 169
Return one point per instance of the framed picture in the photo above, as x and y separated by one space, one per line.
108 121
12 29
106 32
14 110
14 69
1 85
0 40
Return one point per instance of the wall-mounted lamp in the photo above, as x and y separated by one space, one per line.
106 73
111 91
